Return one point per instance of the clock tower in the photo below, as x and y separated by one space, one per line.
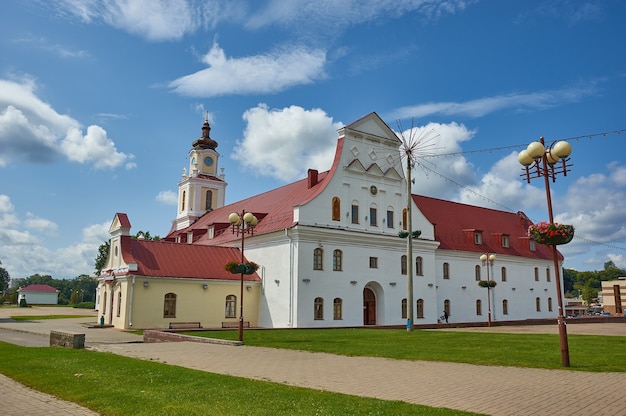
203 189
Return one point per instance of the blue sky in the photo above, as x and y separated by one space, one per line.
101 100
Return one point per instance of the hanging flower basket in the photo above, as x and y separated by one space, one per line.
238 268
487 283
551 233
405 234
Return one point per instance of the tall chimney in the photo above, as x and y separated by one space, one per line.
312 178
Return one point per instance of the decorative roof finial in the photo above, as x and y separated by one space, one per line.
205 141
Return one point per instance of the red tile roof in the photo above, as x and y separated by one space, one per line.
455 224
38 288
274 209
165 259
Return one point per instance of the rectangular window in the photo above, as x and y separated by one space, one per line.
532 245
373 217
505 241
355 214
373 262
547 274
478 237
389 219
446 271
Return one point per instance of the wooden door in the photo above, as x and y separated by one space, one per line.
369 307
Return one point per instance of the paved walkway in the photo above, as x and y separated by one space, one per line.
513 391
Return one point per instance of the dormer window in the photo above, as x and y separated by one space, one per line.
505 241
478 237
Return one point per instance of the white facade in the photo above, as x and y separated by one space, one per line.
291 283
353 213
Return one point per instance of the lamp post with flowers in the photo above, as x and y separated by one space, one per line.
539 161
487 260
242 224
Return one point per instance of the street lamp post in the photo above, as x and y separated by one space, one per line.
487 260
539 161
242 224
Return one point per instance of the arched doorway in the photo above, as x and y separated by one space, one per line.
369 307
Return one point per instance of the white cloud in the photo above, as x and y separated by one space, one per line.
97 233
41 225
5 204
26 253
483 106
94 147
260 74
167 197
10 234
31 129
155 20
284 143
501 188
598 212
334 15
160 20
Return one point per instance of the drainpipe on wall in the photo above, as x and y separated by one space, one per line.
290 278
130 303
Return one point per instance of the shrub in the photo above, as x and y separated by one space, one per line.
85 305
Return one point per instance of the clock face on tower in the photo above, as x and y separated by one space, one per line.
208 161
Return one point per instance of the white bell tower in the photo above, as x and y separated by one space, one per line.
203 189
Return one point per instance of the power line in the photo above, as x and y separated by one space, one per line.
485 198
523 146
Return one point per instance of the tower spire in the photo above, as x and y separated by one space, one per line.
205 141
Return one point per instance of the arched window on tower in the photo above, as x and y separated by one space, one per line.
208 205
182 201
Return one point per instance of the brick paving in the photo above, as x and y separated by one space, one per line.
498 391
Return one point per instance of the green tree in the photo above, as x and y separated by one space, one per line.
611 271
101 258
4 279
38 279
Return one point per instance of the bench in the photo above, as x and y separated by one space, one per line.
185 325
235 324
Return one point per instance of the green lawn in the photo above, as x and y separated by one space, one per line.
587 352
116 385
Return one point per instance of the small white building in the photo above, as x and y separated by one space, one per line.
38 295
